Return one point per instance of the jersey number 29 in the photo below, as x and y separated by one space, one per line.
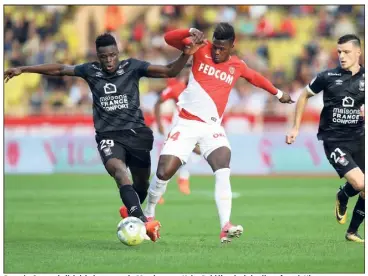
106 143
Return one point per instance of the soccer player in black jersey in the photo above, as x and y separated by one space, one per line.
341 127
123 139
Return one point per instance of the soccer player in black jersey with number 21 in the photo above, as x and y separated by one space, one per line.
341 127
123 139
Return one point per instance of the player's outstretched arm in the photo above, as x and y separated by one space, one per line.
299 110
169 71
43 69
173 69
260 81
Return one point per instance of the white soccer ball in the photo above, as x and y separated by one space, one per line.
131 231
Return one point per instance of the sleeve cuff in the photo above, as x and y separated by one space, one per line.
310 90
279 94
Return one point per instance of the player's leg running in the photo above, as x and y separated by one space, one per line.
117 169
177 148
356 178
356 220
167 167
342 198
359 209
140 185
219 160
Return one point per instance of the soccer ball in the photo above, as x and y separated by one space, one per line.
131 231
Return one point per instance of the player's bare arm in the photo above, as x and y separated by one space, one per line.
260 81
43 69
169 71
299 110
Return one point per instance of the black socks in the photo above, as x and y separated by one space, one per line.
132 201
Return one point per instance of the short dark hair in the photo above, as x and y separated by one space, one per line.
349 37
104 40
224 31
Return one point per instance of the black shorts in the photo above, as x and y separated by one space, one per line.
132 146
345 155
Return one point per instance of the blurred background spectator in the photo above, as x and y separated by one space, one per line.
287 44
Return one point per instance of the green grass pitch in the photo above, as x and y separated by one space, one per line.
67 224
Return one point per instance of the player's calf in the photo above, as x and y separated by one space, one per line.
131 201
342 198
141 190
358 215
156 190
141 183
351 188
118 170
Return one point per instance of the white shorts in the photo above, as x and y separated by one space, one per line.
185 134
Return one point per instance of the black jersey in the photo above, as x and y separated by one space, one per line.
343 96
115 96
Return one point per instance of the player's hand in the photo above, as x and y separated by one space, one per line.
161 129
191 48
291 136
197 36
286 98
12 72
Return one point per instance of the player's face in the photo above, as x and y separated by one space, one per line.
221 50
108 57
349 54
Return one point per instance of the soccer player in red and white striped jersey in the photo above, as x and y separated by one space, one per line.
202 104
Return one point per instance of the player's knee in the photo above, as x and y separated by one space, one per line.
357 183
219 164
167 167
219 158
163 174
356 178
121 176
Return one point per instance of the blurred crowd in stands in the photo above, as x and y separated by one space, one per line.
287 44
